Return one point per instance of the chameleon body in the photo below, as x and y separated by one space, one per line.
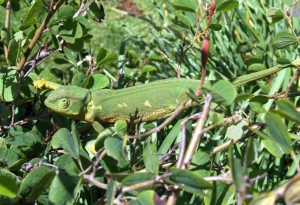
152 101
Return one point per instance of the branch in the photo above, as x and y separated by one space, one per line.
178 110
7 25
199 129
38 34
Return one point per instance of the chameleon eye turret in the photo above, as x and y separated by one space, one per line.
69 101
64 103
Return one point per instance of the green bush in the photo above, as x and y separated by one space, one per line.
239 147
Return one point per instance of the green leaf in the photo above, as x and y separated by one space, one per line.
215 25
65 12
97 9
269 144
188 181
64 189
185 5
9 184
32 15
183 21
278 131
287 109
67 163
148 68
221 194
283 62
257 102
78 79
13 50
5 35
8 187
273 147
166 145
65 139
227 5
253 60
8 157
96 82
70 57
223 92
244 47
111 192
114 148
121 127
102 52
149 197
102 136
236 131
256 67
27 142
237 173
70 31
274 15
108 59
36 182
284 39
151 158
136 178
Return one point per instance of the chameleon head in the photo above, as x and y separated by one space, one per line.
69 101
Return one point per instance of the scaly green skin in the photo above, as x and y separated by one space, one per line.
152 101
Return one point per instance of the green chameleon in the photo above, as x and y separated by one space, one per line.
152 101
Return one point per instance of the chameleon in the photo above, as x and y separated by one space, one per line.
152 101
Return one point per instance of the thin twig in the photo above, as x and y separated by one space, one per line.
197 133
294 78
39 33
183 138
7 25
177 111
156 180
92 180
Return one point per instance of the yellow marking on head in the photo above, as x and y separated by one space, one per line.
147 103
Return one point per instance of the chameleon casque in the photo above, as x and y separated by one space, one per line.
153 101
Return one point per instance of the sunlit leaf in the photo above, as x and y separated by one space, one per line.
283 39
278 131
185 5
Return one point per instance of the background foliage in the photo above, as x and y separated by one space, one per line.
249 150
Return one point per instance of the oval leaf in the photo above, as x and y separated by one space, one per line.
64 189
36 182
9 84
8 187
278 131
185 5
183 21
114 147
227 5
64 138
288 110
188 181
151 158
223 92
283 39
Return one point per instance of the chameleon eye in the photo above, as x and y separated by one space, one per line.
64 103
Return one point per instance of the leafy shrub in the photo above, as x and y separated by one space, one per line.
239 147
